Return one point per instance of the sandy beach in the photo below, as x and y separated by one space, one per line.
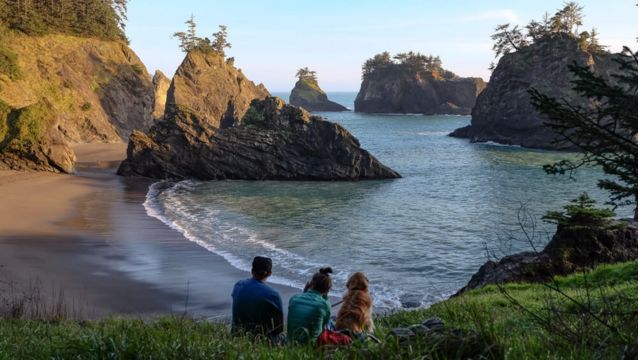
86 237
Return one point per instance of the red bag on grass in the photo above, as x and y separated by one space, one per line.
330 337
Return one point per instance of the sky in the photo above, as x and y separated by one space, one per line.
271 39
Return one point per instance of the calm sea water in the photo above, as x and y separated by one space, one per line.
419 238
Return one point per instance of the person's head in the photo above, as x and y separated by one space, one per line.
261 267
358 281
321 281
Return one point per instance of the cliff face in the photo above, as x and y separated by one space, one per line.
160 87
62 90
419 93
503 112
218 92
307 94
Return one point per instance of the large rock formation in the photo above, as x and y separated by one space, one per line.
219 125
307 94
572 248
273 141
503 112
406 92
57 90
207 85
160 87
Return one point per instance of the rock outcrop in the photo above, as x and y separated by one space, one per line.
207 85
307 94
570 249
160 88
59 90
272 141
503 112
417 93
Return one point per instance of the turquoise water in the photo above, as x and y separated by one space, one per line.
418 238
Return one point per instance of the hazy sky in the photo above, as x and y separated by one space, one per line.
271 39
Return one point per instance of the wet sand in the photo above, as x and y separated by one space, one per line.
88 236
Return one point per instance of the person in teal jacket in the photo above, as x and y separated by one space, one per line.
310 312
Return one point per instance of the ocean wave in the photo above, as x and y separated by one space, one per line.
169 203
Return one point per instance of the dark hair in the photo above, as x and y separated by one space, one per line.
261 266
321 281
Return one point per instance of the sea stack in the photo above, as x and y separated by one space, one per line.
308 94
160 88
503 112
414 83
219 125
65 89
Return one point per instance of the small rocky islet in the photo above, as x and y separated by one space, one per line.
307 94
413 83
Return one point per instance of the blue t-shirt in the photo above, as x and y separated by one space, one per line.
257 307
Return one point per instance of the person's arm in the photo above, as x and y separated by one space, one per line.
327 314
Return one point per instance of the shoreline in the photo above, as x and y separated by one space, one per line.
92 243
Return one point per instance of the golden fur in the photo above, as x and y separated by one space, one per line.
355 313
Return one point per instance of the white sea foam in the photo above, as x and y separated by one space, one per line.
167 202
493 143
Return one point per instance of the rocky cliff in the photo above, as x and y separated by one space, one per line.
417 93
308 94
503 112
571 249
57 90
160 88
206 85
273 141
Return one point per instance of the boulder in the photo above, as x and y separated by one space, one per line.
503 112
272 141
160 88
308 95
571 249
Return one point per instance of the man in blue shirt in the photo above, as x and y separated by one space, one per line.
257 307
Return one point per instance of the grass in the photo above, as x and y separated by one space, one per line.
22 128
486 316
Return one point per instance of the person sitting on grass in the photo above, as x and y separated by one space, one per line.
310 312
257 307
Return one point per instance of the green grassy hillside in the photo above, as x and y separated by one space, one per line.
486 318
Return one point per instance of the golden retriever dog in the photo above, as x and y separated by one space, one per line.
355 313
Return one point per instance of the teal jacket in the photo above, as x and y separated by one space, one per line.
309 313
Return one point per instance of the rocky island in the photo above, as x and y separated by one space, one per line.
414 83
503 112
219 125
308 94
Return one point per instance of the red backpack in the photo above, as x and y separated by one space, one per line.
330 337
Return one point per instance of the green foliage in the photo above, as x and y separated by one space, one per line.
9 63
606 129
409 62
566 21
580 212
483 312
22 128
306 74
93 18
189 41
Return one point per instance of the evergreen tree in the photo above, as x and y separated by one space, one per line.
606 129
507 39
220 41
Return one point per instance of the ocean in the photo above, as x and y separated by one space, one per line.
419 239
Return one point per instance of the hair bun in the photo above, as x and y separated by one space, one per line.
326 270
